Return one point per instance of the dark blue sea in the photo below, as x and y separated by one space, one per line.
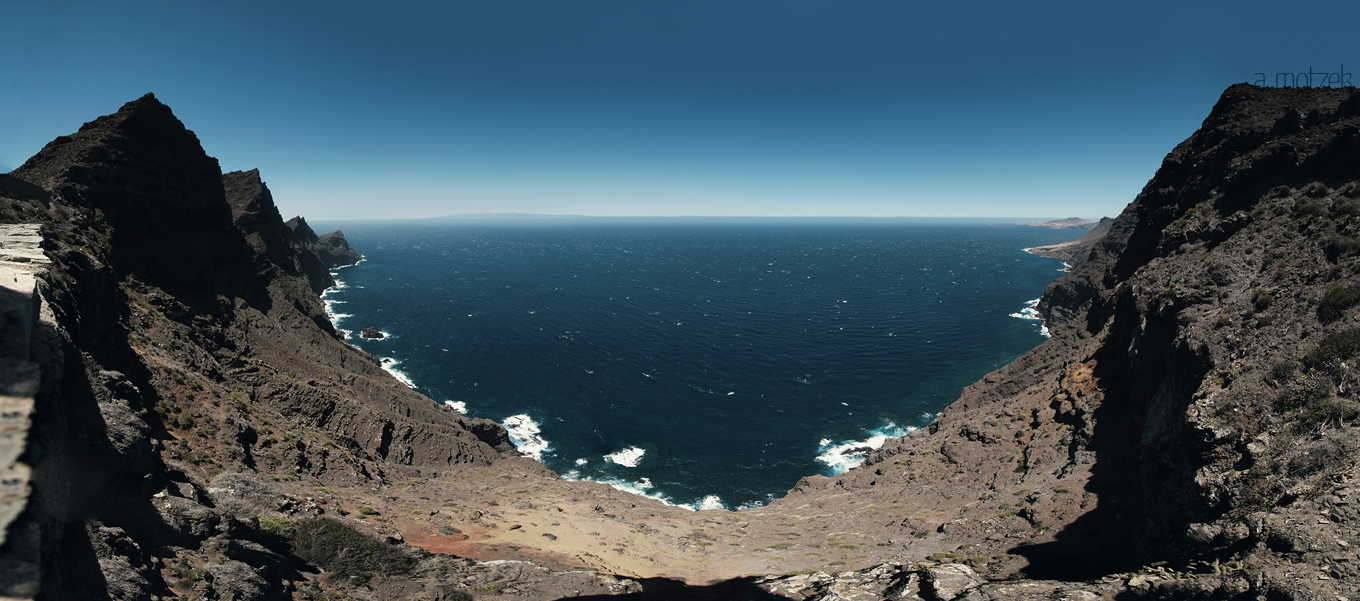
706 363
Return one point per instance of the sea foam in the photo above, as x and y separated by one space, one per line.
390 365
1031 313
459 406
329 304
628 457
843 455
645 488
527 436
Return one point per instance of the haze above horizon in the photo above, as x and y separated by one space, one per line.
700 108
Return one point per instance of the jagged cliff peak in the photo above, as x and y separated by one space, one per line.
144 128
333 249
304 232
336 251
181 347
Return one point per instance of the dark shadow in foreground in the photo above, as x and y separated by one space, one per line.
665 589
1142 483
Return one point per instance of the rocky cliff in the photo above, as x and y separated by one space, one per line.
1193 416
190 424
184 339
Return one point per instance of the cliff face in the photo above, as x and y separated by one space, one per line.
1222 299
253 210
185 339
332 248
1196 407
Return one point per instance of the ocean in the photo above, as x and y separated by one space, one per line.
706 363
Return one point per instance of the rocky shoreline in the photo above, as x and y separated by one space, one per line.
183 421
1075 251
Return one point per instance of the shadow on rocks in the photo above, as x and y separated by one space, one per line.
1144 459
665 589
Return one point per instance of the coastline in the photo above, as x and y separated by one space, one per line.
832 456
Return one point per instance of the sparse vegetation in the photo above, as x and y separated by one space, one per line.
1260 300
1326 411
490 588
1333 349
452 593
345 552
1307 207
1283 371
1316 387
275 526
1335 301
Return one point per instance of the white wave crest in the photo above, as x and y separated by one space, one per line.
709 502
841 456
645 488
628 457
527 436
390 365
459 406
1031 313
336 270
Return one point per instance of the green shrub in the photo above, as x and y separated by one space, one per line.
1340 246
1335 301
1326 411
1308 206
366 510
452 593
345 552
492 588
1260 300
1335 347
276 526
1316 387
1283 371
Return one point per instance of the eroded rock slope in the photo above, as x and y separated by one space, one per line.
185 340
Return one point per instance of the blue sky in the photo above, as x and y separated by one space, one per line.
696 107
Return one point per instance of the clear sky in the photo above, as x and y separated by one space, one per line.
658 107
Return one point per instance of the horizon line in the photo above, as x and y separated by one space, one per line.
516 215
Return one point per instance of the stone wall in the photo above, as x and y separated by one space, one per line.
21 262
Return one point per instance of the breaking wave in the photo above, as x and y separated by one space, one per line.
628 457
846 454
527 436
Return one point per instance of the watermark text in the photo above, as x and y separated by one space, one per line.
1307 79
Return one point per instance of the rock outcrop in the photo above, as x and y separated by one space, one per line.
253 210
1195 409
332 248
186 339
